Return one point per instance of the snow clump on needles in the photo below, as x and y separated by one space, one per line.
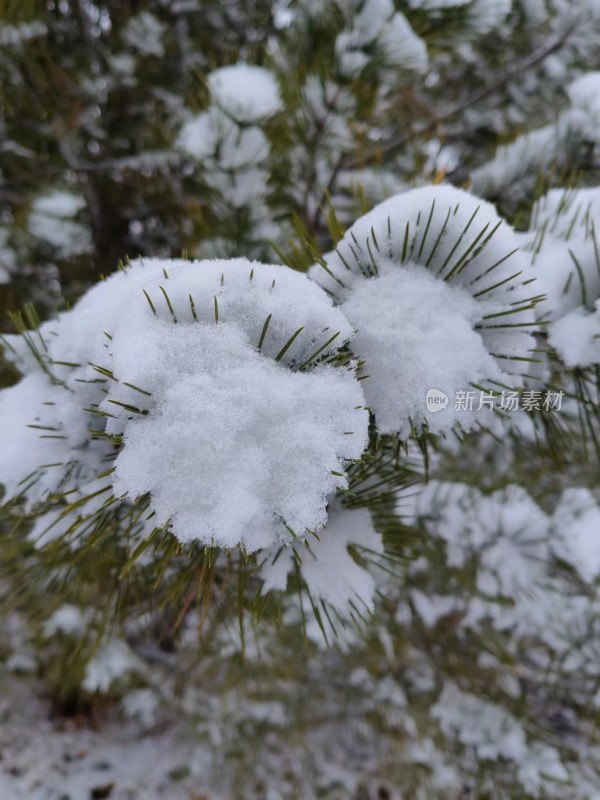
205 386
432 281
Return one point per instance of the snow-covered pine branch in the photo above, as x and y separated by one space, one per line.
203 385
432 280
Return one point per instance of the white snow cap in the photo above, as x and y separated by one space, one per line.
584 94
51 220
431 280
214 136
484 15
536 150
329 571
576 337
564 258
567 213
144 33
244 92
506 532
206 373
378 23
576 524
114 661
8 257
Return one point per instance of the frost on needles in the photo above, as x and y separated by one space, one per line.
203 387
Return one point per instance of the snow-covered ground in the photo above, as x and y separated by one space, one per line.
45 758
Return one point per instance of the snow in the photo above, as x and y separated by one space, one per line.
532 152
8 258
144 33
511 532
441 157
232 159
478 724
234 451
526 155
564 250
431 609
213 134
67 619
331 574
59 204
428 5
542 765
200 135
567 213
236 446
378 23
423 340
44 760
23 448
422 277
497 615
576 337
51 220
487 15
584 94
506 532
141 704
247 293
114 661
484 15
376 185
16 35
566 274
535 11
576 523
490 732
246 93
402 46
565 261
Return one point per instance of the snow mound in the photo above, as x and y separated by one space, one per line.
576 524
201 384
238 448
505 532
51 220
431 280
331 574
407 350
576 337
483 15
212 135
246 93
584 94
8 257
377 23
567 213
145 33
565 261
114 661
564 250
536 150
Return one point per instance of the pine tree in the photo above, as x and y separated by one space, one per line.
301 348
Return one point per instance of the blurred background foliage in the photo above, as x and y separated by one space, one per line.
93 96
